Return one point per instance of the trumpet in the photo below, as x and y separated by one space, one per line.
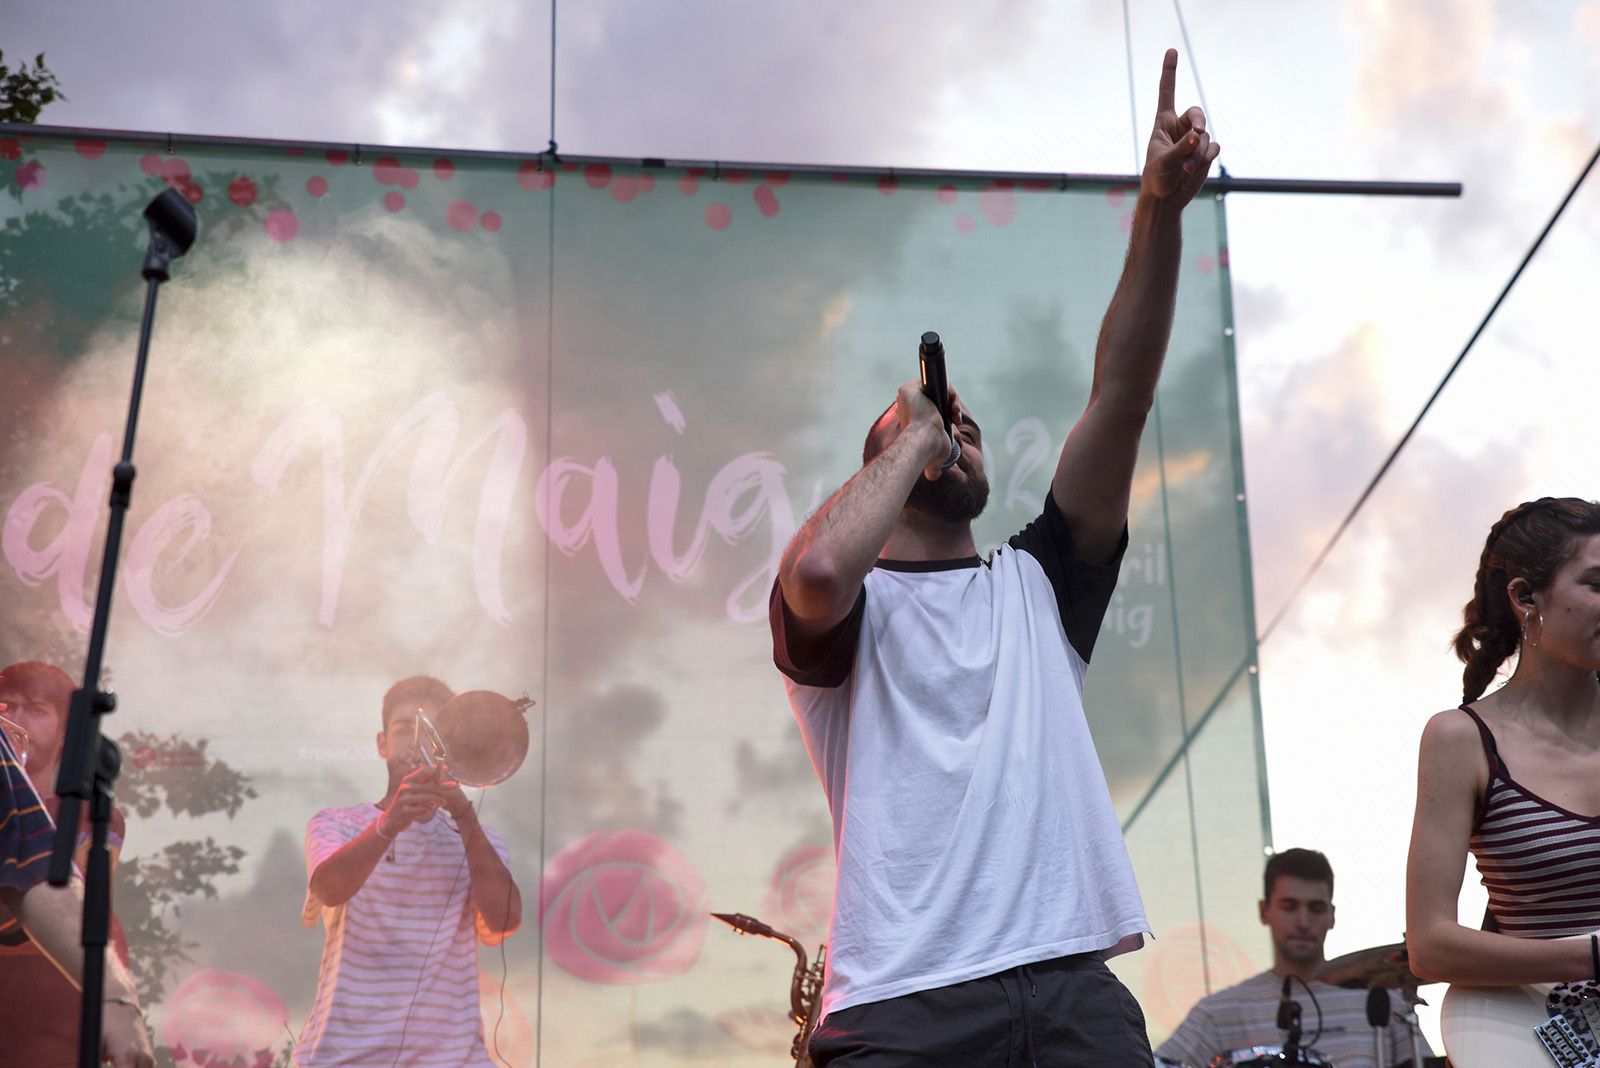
805 990
479 738
15 733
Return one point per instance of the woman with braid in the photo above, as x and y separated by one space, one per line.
1513 776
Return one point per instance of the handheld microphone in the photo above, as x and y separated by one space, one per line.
936 387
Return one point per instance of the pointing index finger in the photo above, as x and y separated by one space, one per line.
1169 83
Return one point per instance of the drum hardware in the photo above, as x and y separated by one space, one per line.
1387 967
1268 1057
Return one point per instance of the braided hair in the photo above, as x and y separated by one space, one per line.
1529 542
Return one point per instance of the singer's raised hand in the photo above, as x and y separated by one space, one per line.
1181 150
913 406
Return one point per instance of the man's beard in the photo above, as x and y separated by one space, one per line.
950 499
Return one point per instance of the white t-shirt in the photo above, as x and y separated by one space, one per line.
971 820
399 977
1247 1015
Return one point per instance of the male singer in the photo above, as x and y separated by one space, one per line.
982 873
401 885
1297 908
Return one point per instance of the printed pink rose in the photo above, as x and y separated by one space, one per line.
242 191
1175 970
533 176
799 899
997 203
462 215
622 907
281 225
218 1017
30 175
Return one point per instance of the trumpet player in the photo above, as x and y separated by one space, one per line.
405 887
982 873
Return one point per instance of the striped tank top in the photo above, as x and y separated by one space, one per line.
1539 862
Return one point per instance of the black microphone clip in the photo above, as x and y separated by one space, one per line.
1289 1020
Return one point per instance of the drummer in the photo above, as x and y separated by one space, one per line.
1297 908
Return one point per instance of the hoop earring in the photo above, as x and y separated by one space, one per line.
1532 641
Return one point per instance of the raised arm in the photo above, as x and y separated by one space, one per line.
1095 473
495 896
1452 775
829 557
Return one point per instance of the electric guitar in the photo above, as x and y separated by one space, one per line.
1509 1027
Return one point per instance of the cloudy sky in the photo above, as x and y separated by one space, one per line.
1348 309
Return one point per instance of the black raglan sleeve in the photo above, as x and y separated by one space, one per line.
1083 590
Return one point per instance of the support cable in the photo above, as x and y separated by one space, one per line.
1247 662
1133 102
1194 65
1388 462
552 78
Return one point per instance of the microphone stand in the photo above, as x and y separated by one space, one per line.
1378 1018
1289 1022
90 762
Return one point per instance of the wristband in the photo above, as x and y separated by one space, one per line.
377 828
1594 954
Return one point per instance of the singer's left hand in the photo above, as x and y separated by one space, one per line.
1181 151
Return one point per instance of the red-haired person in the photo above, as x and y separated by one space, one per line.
48 920
1513 776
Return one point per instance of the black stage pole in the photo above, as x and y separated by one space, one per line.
89 762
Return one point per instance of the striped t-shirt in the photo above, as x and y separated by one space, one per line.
1334 1022
26 832
1539 862
399 978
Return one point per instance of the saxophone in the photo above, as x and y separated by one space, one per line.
805 991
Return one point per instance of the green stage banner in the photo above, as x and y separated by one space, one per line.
543 428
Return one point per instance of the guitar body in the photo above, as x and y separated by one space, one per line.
1493 1027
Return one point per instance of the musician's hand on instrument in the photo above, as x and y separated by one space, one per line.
417 798
124 1042
456 801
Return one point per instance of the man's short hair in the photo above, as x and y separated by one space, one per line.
412 692
871 447
42 677
1305 864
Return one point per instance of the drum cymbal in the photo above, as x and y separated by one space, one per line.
1384 966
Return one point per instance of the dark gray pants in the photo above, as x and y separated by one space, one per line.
1070 1012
